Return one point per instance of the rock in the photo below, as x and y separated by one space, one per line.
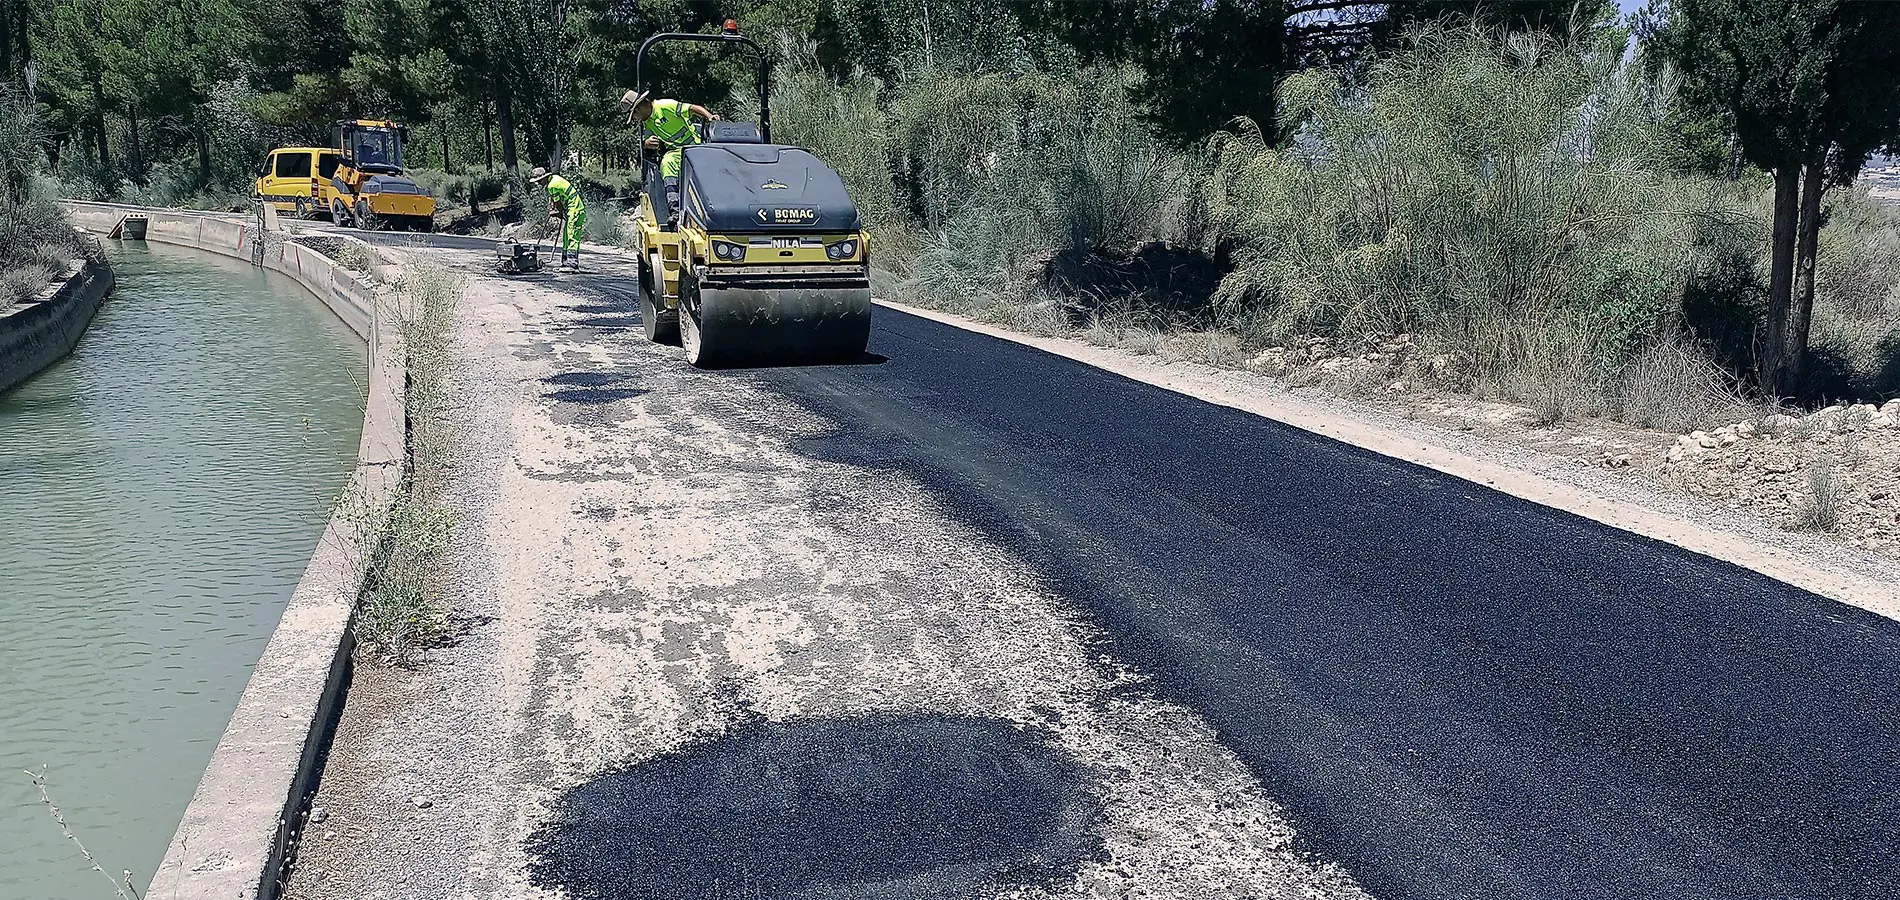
329 835
1892 408
1271 361
1705 440
318 815
1745 429
1728 438
421 802
1778 423
1398 387
1677 452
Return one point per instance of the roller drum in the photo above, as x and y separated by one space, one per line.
748 325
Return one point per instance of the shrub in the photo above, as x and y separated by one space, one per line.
1509 200
36 242
1675 386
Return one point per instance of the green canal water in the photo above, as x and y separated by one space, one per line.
160 493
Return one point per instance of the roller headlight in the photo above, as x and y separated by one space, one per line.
842 249
727 251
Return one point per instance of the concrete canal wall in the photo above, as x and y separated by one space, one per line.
38 332
246 817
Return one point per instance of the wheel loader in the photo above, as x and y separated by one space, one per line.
761 258
371 190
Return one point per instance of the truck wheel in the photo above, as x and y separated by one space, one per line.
303 207
339 214
661 325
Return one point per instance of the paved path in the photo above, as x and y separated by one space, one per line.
1194 611
876 699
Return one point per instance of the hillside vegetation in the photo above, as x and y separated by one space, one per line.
1537 212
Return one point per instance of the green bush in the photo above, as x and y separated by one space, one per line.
1512 202
36 241
1856 325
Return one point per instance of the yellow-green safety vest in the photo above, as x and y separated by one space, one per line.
561 193
669 122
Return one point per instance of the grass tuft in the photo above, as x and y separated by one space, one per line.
1825 498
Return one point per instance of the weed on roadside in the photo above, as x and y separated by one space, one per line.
1825 497
400 610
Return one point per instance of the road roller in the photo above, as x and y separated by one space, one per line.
756 254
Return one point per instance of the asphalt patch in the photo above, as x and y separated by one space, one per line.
875 806
594 394
587 379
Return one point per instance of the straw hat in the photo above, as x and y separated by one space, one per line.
539 175
631 101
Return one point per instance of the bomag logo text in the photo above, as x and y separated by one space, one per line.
773 186
795 216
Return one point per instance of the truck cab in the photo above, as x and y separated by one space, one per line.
296 180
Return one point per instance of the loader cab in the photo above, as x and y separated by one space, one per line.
374 147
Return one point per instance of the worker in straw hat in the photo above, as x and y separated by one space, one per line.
669 126
567 211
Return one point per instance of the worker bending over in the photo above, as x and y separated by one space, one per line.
568 213
668 125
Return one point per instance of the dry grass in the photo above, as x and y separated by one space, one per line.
1673 386
400 611
1822 511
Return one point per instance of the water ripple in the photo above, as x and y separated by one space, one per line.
160 492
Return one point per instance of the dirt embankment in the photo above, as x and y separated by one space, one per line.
1834 471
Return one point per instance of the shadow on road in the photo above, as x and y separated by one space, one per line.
860 807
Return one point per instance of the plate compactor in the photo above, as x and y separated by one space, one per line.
760 258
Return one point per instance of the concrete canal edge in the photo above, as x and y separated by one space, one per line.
38 332
240 831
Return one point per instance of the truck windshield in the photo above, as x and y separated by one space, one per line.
378 149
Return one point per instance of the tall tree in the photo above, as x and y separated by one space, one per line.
1813 89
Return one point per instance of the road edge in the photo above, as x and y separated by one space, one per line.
239 833
1233 390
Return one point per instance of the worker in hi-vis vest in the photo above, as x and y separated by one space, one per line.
669 126
566 209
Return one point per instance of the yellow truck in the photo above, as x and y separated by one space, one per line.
371 190
296 180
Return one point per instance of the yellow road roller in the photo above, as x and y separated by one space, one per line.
756 254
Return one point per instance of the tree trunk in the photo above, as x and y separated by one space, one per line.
134 147
488 138
203 138
1774 344
6 38
1813 185
505 123
99 120
445 145
22 48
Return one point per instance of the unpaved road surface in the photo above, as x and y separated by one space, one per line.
972 620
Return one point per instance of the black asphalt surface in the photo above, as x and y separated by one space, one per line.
942 806
1457 693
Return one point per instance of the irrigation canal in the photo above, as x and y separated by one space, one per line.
160 492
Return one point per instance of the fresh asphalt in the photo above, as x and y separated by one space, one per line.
1457 693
